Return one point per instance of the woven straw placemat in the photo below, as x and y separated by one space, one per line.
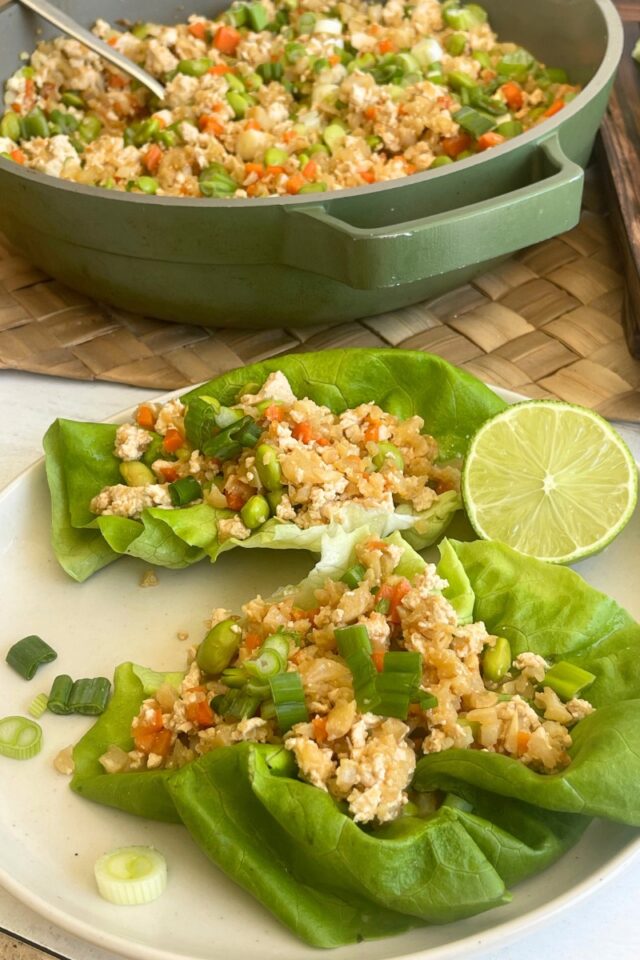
546 322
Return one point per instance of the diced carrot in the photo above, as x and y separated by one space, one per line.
386 46
452 146
334 60
227 39
445 101
289 135
368 176
16 107
200 713
295 183
170 474
374 29
152 719
145 417
112 41
257 168
523 742
173 440
310 170
252 125
274 169
302 432
372 433
210 124
512 93
370 112
274 412
117 82
18 156
490 139
378 545
555 107
319 725
198 29
252 189
158 743
400 590
152 158
488 75
323 441
219 69
409 167
378 660
252 641
235 500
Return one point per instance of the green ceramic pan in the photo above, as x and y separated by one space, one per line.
287 261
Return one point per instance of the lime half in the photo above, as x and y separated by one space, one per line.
549 479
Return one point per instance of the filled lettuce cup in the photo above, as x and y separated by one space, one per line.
389 743
268 456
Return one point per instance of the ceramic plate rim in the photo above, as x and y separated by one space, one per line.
499 935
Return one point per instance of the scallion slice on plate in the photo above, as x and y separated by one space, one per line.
130 876
20 738
28 654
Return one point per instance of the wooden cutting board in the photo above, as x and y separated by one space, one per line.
619 150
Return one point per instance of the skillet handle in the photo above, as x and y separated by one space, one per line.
368 259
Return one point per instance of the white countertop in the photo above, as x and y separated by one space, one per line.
606 925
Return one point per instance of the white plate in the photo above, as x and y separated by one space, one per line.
50 838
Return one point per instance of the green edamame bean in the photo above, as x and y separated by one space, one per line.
147 185
441 161
235 83
496 660
37 124
136 474
238 103
195 68
89 129
72 99
275 157
318 186
255 512
275 499
268 467
219 647
388 453
10 126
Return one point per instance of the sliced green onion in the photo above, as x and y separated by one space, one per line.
496 660
459 80
567 680
131 875
473 122
354 575
89 696
229 442
425 699
28 654
38 705
401 675
510 128
383 606
20 739
268 710
184 491
59 696
228 415
267 665
352 640
288 699
233 677
516 65
281 643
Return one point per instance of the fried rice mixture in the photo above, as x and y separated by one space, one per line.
273 455
275 98
363 752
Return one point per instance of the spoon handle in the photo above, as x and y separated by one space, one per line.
69 26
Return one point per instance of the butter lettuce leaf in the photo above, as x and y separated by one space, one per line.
80 459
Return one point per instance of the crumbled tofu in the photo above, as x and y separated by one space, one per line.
275 387
170 414
123 501
131 441
232 527
149 579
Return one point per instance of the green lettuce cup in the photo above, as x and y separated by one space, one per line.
494 820
80 462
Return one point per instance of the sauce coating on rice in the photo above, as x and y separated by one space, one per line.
273 98
361 757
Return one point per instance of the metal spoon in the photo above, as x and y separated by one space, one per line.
69 26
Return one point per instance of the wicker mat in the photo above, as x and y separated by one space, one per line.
547 322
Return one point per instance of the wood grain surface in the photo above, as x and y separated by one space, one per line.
619 151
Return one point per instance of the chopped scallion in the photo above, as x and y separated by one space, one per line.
567 680
184 491
288 699
89 696
28 654
20 739
38 705
59 695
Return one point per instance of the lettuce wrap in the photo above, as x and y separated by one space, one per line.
294 848
80 460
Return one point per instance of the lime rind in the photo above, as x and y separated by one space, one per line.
502 482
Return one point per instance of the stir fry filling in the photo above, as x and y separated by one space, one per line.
272 455
276 98
377 673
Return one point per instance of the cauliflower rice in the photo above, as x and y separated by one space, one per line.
273 98
363 758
